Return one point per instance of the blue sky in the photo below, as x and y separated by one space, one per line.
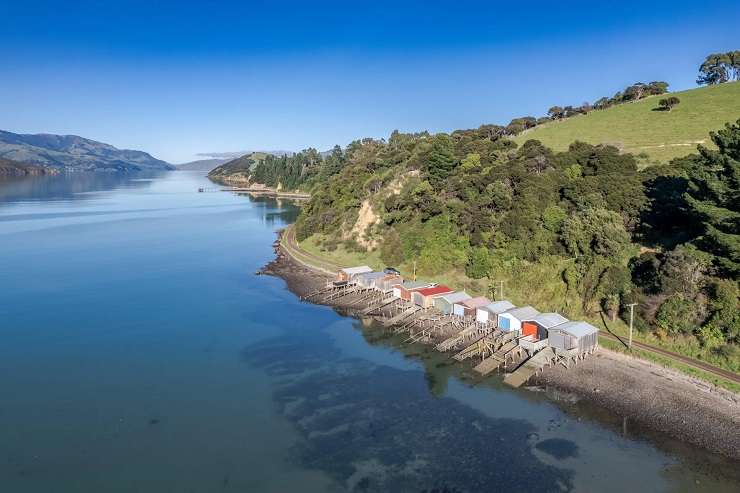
180 78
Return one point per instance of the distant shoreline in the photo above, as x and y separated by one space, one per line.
648 395
244 186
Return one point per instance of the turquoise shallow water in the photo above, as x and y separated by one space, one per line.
139 352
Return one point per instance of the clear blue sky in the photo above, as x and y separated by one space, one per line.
176 79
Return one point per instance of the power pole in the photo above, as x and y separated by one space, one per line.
502 289
632 318
414 270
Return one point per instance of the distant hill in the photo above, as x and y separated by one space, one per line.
637 128
74 153
201 165
237 169
10 168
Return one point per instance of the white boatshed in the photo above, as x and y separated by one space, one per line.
491 311
511 320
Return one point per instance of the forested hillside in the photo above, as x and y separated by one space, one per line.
581 231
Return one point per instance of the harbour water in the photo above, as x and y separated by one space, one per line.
139 352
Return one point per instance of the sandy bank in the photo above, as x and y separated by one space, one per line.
659 399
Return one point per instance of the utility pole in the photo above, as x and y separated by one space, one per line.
502 289
414 270
632 318
492 289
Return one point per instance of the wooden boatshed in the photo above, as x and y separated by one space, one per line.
369 280
511 320
539 325
468 308
349 273
491 311
387 283
446 302
424 297
581 337
404 289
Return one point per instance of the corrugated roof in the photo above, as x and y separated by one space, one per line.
578 328
476 302
372 275
456 297
415 284
548 320
356 270
523 313
499 306
435 290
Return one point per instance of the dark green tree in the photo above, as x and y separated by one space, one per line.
667 104
714 198
440 161
714 69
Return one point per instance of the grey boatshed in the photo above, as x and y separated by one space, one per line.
579 336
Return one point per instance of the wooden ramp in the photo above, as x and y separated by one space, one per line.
530 367
379 305
496 360
401 316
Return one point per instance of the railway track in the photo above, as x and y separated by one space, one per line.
694 363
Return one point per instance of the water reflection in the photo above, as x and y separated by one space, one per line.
70 186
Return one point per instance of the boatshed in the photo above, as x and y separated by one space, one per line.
386 283
368 280
511 320
349 273
467 308
404 289
579 336
539 325
425 297
446 302
490 312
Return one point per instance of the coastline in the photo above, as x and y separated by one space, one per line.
241 185
658 399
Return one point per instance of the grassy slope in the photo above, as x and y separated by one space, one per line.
636 128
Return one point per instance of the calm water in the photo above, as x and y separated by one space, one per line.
139 352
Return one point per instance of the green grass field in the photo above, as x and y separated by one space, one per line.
636 128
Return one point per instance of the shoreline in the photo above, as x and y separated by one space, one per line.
655 398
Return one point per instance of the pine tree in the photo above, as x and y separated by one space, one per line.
714 198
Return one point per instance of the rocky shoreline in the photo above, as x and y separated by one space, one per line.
657 399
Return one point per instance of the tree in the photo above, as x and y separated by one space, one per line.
556 113
713 198
683 270
667 104
440 161
596 231
714 69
